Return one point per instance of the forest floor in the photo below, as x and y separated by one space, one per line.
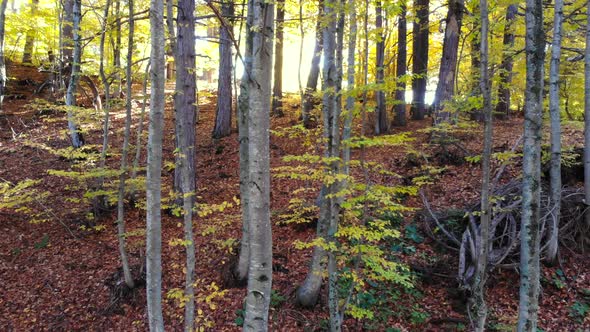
59 275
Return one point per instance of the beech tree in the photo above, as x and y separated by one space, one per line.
400 92
260 234
185 113
314 71
505 72
555 114
448 64
479 305
530 236
124 157
381 125
154 170
75 134
30 37
277 91
3 77
241 270
420 58
224 94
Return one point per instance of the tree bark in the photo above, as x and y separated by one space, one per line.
224 94
66 40
555 114
154 169
75 135
117 51
530 219
402 54
124 154
420 59
260 262
479 307
448 63
3 77
351 98
171 50
587 121
314 71
185 111
381 125
31 32
277 91
503 105
241 271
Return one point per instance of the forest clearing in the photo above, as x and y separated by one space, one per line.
165 167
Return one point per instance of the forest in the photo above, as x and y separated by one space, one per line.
294 165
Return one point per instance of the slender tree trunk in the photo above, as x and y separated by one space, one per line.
241 271
350 98
138 146
587 120
420 59
503 105
335 98
260 266
3 77
381 125
478 298
107 95
31 32
185 107
154 170
277 91
555 113
530 219
448 63
477 113
402 54
75 135
124 155
117 51
314 71
67 39
171 50
224 95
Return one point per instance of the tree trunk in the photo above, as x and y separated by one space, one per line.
260 266
503 105
448 62
420 59
31 32
138 146
107 96
477 113
117 51
125 152
314 71
479 307
66 39
351 98
75 135
171 50
241 271
3 77
402 53
277 91
531 192
555 114
587 121
185 111
154 170
381 125
224 94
